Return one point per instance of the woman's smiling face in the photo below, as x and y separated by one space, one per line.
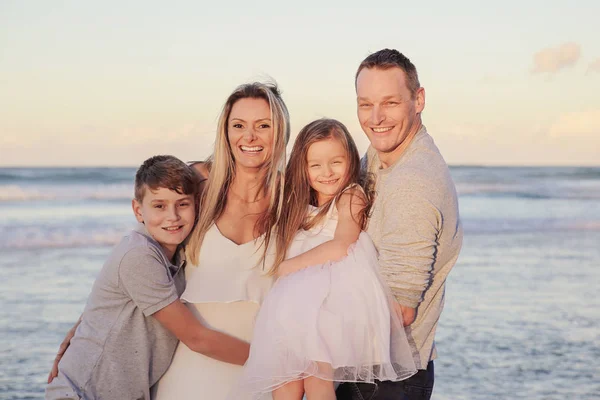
250 133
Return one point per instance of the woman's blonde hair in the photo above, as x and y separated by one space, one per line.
222 168
298 193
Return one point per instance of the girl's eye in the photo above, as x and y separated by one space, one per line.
314 165
183 204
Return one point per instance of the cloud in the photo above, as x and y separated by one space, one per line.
553 59
577 124
594 66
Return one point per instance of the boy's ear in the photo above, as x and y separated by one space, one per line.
137 210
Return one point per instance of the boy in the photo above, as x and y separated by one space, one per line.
133 318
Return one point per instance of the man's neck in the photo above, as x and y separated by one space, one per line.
388 159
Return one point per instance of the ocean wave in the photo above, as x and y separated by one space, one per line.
35 237
487 226
12 193
67 175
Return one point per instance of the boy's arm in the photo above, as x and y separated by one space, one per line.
350 205
61 350
145 280
178 319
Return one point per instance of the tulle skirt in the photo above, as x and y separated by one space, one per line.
334 321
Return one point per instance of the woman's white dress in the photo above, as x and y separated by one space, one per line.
224 292
333 321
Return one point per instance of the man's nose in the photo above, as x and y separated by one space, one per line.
377 115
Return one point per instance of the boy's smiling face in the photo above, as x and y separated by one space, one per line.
168 216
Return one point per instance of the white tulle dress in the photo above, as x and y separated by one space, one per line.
332 321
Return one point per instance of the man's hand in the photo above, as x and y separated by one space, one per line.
406 314
61 351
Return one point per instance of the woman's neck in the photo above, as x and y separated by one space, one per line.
248 185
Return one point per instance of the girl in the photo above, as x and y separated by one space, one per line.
329 317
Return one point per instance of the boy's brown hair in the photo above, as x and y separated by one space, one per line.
168 172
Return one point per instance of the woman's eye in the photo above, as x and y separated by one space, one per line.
314 165
264 126
237 126
337 162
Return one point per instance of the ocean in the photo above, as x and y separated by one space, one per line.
522 312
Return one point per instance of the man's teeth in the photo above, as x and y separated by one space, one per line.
381 130
251 148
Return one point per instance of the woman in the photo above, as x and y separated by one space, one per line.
230 248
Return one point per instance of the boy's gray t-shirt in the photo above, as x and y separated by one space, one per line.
118 350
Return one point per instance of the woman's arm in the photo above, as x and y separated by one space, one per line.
178 319
350 206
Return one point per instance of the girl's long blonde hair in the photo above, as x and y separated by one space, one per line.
222 168
298 193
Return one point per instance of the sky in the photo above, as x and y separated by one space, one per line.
113 82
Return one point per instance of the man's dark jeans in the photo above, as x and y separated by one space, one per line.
417 387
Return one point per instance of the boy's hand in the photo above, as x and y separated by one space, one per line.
61 351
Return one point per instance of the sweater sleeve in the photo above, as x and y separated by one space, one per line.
409 240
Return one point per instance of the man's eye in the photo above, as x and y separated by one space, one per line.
364 105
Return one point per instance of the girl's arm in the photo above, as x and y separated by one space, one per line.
350 206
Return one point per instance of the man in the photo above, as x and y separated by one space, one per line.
415 221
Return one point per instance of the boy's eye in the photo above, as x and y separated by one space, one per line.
159 206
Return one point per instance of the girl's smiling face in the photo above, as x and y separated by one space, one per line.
327 162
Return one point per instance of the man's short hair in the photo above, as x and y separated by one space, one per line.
391 58
165 172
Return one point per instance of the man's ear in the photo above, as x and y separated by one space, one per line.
137 210
420 100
